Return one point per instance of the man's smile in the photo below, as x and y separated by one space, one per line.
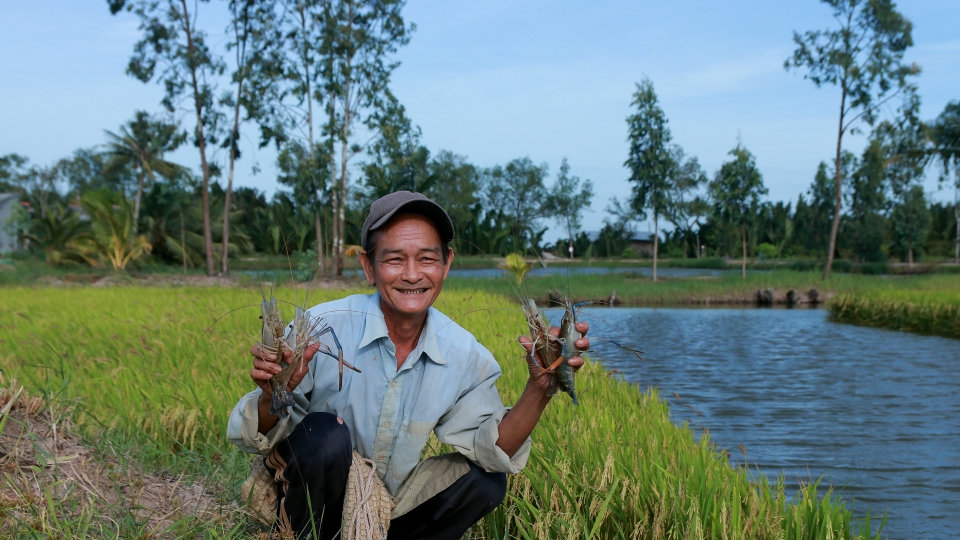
411 291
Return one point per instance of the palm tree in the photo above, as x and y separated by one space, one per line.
141 145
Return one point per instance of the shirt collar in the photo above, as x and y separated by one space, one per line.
375 328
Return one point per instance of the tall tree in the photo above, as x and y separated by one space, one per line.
363 34
866 229
141 145
864 57
397 159
567 199
175 51
944 134
252 33
651 163
910 221
518 191
686 207
286 85
736 192
455 186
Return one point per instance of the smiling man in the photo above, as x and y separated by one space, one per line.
421 374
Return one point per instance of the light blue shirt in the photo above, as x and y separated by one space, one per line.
445 386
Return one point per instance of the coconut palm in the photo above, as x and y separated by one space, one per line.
112 223
141 145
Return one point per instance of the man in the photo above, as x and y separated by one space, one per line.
421 373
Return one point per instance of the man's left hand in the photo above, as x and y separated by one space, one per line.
539 377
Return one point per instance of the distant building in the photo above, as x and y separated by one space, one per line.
641 242
8 202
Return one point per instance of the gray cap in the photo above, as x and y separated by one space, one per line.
387 206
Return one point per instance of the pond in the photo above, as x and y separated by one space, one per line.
876 412
563 271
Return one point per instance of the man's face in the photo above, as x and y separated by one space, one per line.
407 265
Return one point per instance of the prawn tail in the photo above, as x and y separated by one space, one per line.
565 379
282 399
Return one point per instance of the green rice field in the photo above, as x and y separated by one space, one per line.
156 371
935 312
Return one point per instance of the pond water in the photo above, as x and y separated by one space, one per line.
876 412
592 270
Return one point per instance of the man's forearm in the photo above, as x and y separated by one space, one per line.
265 420
519 422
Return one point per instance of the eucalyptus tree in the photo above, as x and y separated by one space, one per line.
567 199
735 191
362 37
863 55
286 88
651 160
141 145
174 51
253 36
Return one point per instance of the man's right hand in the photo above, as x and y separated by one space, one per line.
265 366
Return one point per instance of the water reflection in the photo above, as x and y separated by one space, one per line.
875 411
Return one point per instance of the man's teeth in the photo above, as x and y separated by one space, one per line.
412 291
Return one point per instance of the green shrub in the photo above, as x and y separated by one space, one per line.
767 251
629 253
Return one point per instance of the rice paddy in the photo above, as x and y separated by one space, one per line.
934 312
153 379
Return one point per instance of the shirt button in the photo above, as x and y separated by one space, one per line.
386 424
381 457
394 384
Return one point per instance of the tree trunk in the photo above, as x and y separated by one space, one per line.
224 268
656 243
910 255
570 235
698 243
202 144
344 155
835 227
743 268
183 243
316 223
136 202
956 214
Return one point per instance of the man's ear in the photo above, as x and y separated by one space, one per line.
449 264
367 263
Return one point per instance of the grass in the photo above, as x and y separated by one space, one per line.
933 312
152 384
636 289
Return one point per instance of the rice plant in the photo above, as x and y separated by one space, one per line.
156 372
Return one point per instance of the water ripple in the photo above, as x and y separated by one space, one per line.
875 412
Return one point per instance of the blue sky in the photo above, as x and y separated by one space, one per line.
497 80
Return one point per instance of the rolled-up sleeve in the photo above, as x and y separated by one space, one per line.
472 426
244 423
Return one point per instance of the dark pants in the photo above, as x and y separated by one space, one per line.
316 459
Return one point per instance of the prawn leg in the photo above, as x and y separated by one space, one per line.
339 356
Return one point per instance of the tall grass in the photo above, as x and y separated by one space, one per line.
636 289
152 378
924 311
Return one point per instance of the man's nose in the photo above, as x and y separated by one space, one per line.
411 271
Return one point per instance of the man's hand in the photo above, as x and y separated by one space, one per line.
265 366
540 379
